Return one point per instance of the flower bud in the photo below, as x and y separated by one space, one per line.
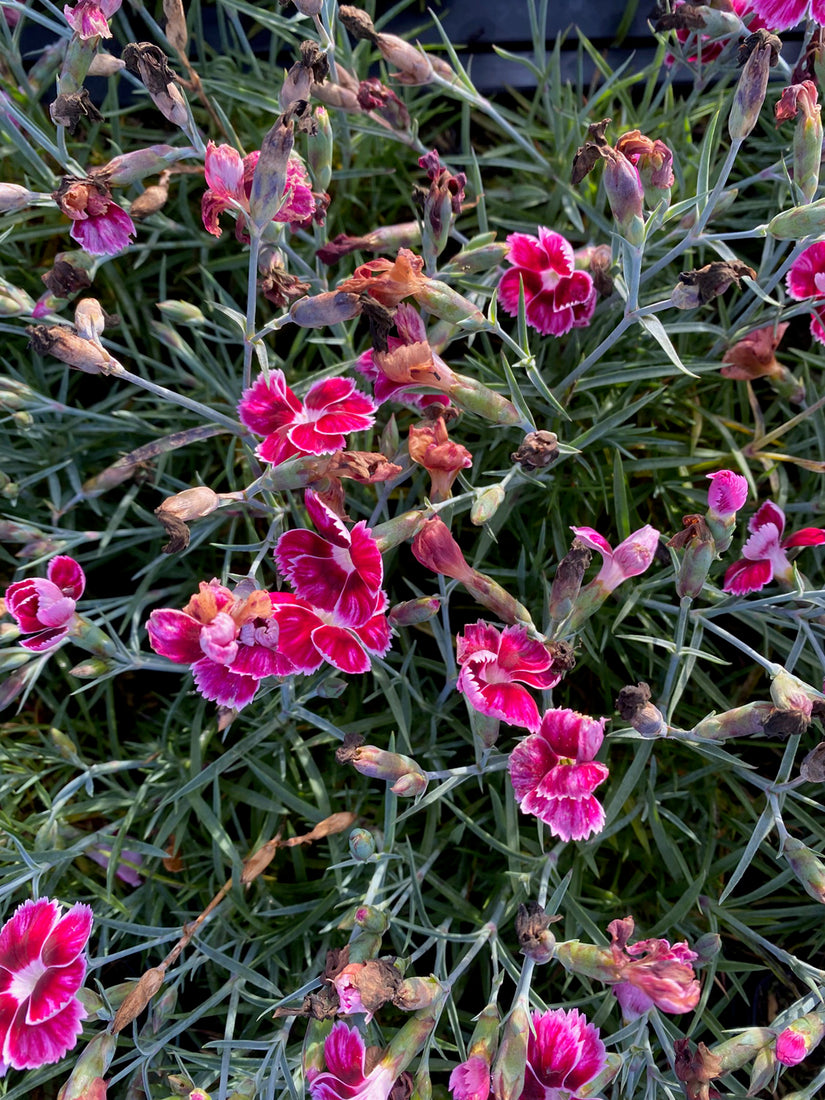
132 167
491 594
86 1080
319 150
414 994
727 494
481 257
739 722
402 772
13 300
795 1043
442 301
309 7
89 319
181 313
412 612
532 928
736 1052
808 868
395 531
362 845
700 550
328 308
486 504
588 960
511 1061
807 141
763 1070
801 221
269 179
762 51
13 197
91 668
477 398
105 64
707 947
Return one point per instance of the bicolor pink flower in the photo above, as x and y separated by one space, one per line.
471 1079
554 774
42 966
494 666
557 297
89 18
629 559
99 225
764 556
564 1054
317 426
311 635
662 976
45 608
338 570
229 639
229 185
806 279
727 493
780 15
345 1077
411 332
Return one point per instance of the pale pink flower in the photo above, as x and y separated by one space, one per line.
727 493
806 279
662 976
345 1077
557 297
229 185
629 559
46 608
42 966
99 225
338 570
411 330
229 639
471 1079
764 556
319 425
780 15
89 18
564 1054
494 665
311 635
554 774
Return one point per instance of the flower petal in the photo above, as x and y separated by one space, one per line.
24 935
69 936
807 536
28 1046
65 572
175 635
340 648
54 990
747 576
222 686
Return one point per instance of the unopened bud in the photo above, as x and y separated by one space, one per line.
763 1070
91 669
442 301
319 150
23 420
739 722
105 64
479 258
309 7
802 221
13 197
371 919
477 398
412 612
402 772
489 593
328 308
395 531
511 1061
86 1080
812 768
795 1043
269 179
750 92
89 319
181 313
362 844
736 1052
486 504
699 552
808 868
132 167
588 960
13 300
707 947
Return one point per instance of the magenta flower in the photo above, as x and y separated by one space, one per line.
471 1079
229 639
338 570
727 493
556 296
411 330
318 426
311 635
345 1077
42 966
89 18
45 608
779 15
806 279
564 1054
494 665
662 977
554 774
799 1039
229 185
99 225
629 559
763 555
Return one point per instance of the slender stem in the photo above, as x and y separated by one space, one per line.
675 657
769 666
489 930
251 303
594 356
178 399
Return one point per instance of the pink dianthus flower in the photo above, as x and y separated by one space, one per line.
471 1079
557 297
319 425
89 18
99 225
764 556
727 493
229 185
780 15
662 977
46 608
411 331
564 1054
554 774
495 664
42 966
806 279
311 635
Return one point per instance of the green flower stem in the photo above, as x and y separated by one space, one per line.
472 97
676 656
250 335
770 667
210 415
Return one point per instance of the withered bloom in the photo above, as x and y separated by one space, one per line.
696 288
65 278
312 67
431 447
634 706
532 930
757 54
150 65
696 1070
68 109
537 450
683 18
151 199
387 238
754 356
568 580
594 149
372 95
277 285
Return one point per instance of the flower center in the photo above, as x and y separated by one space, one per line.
23 982
550 279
